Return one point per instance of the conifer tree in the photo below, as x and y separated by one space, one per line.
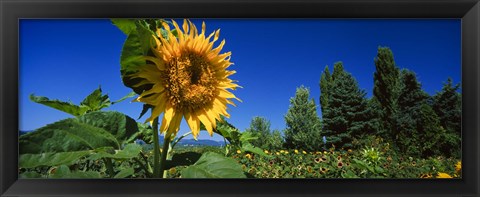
386 86
347 115
447 105
303 124
418 131
325 81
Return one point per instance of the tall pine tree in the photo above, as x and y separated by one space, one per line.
386 88
325 81
303 124
347 115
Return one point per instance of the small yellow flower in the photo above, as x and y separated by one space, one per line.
443 175
318 152
304 152
296 151
266 151
458 166
248 156
324 152
349 150
277 153
286 152
282 151
239 151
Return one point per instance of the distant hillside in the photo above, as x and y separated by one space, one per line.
183 142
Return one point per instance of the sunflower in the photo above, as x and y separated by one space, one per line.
458 167
188 79
443 175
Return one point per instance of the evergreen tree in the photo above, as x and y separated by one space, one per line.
347 115
260 127
418 131
325 81
386 86
303 124
447 105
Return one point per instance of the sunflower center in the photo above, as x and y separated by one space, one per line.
191 82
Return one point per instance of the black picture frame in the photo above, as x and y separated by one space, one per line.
11 11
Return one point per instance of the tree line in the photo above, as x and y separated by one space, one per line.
400 112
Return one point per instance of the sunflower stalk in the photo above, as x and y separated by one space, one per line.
156 150
163 161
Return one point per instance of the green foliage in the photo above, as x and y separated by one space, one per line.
303 124
50 159
265 138
90 131
325 83
418 130
386 86
275 141
95 101
347 115
447 104
213 165
65 172
260 127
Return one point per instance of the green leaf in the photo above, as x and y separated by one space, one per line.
129 95
126 25
87 132
116 123
66 107
64 172
250 148
50 159
130 151
214 165
135 47
124 173
96 101
247 137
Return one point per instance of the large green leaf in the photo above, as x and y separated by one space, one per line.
96 101
130 151
116 123
136 46
126 25
87 132
50 159
214 165
66 107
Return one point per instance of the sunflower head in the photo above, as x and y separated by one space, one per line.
188 79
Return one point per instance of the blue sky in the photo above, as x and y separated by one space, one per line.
67 59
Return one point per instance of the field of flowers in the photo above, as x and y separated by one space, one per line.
374 162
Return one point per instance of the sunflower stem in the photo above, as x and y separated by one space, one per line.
180 138
156 150
163 163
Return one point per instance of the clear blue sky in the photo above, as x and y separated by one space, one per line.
67 59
